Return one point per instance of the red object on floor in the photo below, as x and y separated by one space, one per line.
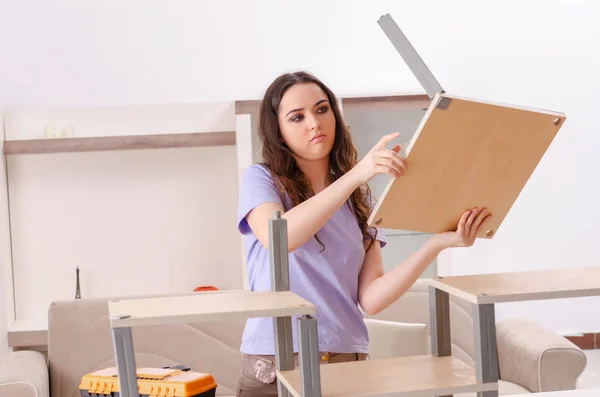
205 288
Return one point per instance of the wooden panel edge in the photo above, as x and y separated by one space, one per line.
283 376
250 106
517 297
27 338
127 142
544 295
412 101
196 318
439 284
426 392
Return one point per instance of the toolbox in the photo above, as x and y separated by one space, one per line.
176 381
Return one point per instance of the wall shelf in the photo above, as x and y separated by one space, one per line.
195 139
126 142
397 102
409 101
27 334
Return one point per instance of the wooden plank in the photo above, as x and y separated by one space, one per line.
523 286
595 392
129 142
397 102
207 307
92 121
416 376
250 106
28 333
466 153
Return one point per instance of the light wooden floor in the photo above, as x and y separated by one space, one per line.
590 378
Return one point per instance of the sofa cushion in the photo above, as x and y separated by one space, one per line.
413 307
504 389
24 374
536 357
393 339
80 341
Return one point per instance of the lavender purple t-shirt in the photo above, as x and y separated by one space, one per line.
328 279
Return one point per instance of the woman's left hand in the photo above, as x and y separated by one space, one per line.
468 227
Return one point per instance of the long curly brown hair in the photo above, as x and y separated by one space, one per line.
279 159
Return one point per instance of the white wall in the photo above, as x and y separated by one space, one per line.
535 53
134 222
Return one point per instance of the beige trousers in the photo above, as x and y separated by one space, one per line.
258 376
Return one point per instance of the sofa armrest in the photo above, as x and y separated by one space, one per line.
24 374
536 357
395 339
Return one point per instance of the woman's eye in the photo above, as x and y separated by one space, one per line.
324 109
297 118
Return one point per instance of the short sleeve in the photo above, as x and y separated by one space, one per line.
256 187
379 236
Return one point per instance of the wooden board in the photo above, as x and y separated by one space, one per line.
377 102
564 393
416 376
465 153
523 286
128 142
28 333
206 307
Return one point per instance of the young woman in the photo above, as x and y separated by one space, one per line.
311 175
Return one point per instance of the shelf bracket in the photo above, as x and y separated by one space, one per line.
410 56
280 281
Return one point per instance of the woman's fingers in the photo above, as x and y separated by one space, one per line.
395 157
481 217
386 139
397 148
389 171
387 166
462 223
468 225
391 159
472 215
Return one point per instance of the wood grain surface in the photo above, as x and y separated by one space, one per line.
466 153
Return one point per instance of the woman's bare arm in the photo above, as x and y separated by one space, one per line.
304 220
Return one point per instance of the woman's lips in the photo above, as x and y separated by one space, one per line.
318 138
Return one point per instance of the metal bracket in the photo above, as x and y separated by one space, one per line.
278 250
443 103
125 360
308 344
410 56
439 313
280 281
486 353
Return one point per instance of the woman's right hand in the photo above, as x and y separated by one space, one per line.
380 160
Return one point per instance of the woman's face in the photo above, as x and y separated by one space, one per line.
307 122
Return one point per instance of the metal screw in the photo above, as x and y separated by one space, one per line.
557 121
489 233
378 221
